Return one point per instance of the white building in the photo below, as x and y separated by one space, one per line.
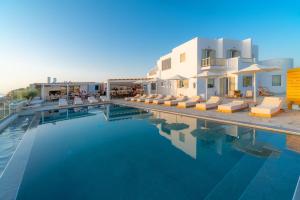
219 56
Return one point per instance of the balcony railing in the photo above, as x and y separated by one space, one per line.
207 62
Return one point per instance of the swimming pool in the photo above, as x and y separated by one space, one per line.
117 152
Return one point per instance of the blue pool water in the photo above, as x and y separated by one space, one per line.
115 152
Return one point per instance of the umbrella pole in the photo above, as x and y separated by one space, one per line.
254 86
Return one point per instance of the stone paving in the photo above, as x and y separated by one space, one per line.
287 121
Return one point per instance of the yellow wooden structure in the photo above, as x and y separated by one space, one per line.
293 87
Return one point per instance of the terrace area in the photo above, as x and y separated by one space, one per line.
286 122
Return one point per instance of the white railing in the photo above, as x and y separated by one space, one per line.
207 62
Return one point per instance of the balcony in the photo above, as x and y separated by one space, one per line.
208 62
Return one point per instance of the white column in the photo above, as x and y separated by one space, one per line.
254 86
206 92
67 91
43 92
108 90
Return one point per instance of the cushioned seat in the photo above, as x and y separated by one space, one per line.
269 107
232 106
212 102
191 102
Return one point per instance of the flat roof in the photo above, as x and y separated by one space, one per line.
65 83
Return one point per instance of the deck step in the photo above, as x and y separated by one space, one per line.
237 179
277 179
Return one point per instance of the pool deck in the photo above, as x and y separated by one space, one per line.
285 122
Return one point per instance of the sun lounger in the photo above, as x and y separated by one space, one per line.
269 107
176 101
135 98
129 98
104 99
249 94
92 99
212 102
77 101
233 106
191 102
62 102
144 98
150 100
161 101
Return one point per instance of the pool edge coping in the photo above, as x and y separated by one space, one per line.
244 124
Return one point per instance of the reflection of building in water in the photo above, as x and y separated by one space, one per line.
293 142
182 139
53 116
114 112
202 132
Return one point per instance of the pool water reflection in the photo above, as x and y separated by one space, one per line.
115 152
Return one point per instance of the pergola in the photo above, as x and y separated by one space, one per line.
67 85
128 82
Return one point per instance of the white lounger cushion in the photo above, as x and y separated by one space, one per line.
175 102
150 100
142 99
212 102
77 101
159 101
92 100
269 105
135 98
191 102
62 102
234 105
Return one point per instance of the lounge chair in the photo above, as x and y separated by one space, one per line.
92 99
135 98
161 101
212 102
77 101
144 98
233 106
191 102
176 101
263 91
62 102
150 100
249 94
104 99
269 107
129 98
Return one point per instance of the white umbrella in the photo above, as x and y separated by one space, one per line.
253 69
206 75
177 77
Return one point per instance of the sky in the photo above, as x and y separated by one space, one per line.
84 40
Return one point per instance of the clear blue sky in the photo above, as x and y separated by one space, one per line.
95 40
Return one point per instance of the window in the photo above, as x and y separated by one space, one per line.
232 53
162 84
153 86
182 57
194 85
210 83
96 87
247 81
276 80
183 84
166 64
181 137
